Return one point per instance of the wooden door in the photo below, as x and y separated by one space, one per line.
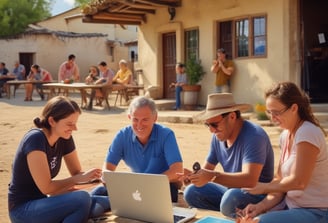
169 61
27 60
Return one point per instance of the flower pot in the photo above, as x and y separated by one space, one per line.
190 96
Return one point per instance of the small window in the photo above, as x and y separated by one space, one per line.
242 38
192 43
249 36
259 27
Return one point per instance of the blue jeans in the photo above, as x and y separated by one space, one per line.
222 89
299 215
216 197
65 208
178 90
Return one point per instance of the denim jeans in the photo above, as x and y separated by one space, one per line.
222 89
178 90
66 208
216 197
299 215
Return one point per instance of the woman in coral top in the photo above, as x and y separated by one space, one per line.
39 74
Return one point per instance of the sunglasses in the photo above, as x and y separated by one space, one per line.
215 125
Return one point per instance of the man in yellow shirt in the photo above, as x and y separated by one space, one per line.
223 70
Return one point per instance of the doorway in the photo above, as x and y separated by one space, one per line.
169 61
314 33
27 60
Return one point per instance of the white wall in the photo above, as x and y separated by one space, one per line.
253 75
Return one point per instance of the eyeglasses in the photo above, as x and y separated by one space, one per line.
277 113
215 125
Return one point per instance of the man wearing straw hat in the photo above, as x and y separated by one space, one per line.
244 151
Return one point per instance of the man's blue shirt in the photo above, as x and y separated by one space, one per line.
251 146
155 157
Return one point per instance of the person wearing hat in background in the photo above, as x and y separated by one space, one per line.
244 151
223 69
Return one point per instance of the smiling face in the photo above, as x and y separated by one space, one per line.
64 127
143 120
279 113
220 126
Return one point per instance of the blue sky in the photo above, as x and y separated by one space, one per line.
59 6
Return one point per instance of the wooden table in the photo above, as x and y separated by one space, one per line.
16 83
82 87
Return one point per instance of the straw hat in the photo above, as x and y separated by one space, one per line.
221 103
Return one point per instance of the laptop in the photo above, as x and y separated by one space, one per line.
144 197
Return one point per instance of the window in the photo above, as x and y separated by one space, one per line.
259 30
242 36
192 42
249 37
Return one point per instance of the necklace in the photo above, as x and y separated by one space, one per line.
286 149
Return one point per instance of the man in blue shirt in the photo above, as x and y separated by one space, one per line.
244 151
146 147
19 71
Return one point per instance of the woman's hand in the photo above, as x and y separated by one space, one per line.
89 175
252 210
260 188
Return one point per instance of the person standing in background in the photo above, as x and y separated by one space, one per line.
181 79
223 69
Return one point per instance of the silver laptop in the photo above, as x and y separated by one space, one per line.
144 197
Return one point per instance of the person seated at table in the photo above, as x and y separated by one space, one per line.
19 71
124 74
106 77
36 74
4 77
69 70
91 78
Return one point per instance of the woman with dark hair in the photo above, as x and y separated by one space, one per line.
301 180
34 193
38 74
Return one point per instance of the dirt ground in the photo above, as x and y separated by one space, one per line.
96 130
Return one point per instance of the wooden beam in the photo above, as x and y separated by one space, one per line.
109 21
160 3
119 16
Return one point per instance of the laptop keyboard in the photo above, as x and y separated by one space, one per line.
178 218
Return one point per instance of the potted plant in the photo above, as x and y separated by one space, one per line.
195 73
260 111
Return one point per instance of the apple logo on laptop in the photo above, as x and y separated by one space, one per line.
136 196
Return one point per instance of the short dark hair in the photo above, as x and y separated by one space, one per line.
71 56
103 63
35 66
180 65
